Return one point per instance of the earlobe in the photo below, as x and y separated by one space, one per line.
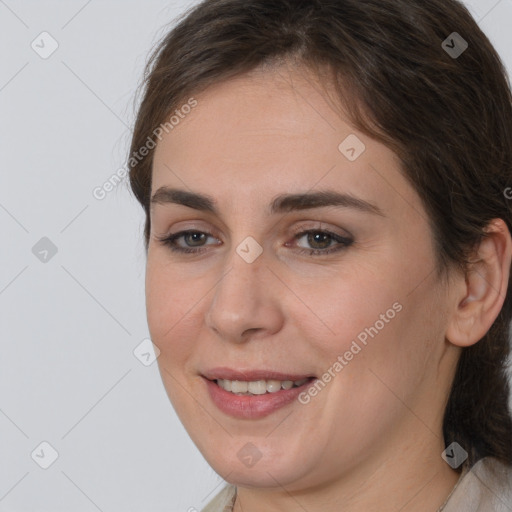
484 287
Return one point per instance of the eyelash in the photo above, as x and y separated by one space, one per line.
343 242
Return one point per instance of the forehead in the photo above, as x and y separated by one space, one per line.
269 132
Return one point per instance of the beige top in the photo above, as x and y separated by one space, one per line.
487 487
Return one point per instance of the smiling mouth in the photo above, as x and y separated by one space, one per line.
259 387
266 392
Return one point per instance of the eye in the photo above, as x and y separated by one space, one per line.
322 242
194 241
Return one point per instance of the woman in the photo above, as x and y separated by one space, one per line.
328 251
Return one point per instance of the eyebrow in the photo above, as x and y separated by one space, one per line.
281 204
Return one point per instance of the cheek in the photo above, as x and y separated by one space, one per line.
384 299
170 304
387 357
355 306
377 329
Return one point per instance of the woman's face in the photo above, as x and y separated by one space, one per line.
314 260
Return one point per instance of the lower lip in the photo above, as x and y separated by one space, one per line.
252 406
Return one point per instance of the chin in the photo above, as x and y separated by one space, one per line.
250 467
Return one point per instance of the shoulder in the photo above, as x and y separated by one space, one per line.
486 487
223 501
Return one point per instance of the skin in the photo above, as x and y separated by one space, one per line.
372 438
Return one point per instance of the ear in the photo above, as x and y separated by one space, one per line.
483 288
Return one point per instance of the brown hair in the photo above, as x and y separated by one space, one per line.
448 118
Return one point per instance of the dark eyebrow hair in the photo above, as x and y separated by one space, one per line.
281 204
320 199
201 202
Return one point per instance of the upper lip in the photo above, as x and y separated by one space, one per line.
250 375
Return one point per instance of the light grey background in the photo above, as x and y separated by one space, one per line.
69 326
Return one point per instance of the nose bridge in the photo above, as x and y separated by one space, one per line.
243 299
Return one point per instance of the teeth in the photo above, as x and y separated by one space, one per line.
225 384
273 386
258 387
238 386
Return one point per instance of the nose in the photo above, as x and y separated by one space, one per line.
245 302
